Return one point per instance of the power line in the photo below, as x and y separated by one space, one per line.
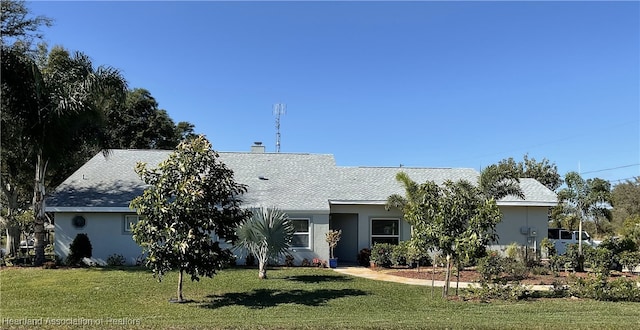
611 168
622 180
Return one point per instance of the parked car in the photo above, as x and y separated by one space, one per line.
564 237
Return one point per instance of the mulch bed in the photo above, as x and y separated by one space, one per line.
471 275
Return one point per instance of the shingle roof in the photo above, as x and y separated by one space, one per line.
304 182
377 183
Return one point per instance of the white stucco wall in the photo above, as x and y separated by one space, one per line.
107 236
105 231
515 221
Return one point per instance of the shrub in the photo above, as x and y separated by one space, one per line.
515 269
598 288
561 263
399 254
381 254
116 260
490 267
574 259
600 260
549 246
288 260
630 260
364 257
49 265
250 260
617 246
80 248
487 292
306 263
141 260
513 251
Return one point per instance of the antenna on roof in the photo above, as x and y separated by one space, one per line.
279 109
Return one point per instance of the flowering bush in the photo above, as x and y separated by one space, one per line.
317 262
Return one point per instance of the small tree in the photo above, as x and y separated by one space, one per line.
585 199
266 235
458 219
80 248
332 238
192 195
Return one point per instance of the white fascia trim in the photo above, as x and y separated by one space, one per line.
500 203
90 209
526 203
303 213
356 202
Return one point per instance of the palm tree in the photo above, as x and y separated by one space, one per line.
585 199
499 181
64 115
266 234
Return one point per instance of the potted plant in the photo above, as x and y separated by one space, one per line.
333 237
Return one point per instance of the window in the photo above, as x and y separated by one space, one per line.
129 221
564 234
301 233
385 231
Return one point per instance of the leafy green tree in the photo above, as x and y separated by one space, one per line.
185 131
267 235
625 199
543 171
16 181
631 228
458 219
18 24
59 111
140 124
18 29
191 196
586 200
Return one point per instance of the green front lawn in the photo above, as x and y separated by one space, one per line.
307 298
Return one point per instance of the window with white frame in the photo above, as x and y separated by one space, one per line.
301 233
129 221
385 231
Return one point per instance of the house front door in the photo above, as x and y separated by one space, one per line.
347 249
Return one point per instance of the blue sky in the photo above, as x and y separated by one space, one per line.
426 84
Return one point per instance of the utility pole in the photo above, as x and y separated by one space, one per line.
279 109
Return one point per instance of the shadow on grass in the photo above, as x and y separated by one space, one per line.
264 298
317 278
129 269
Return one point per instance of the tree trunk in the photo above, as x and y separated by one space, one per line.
457 277
38 210
10 222
445 289
262 269
433 277
180 298
13 237
580 265
262 254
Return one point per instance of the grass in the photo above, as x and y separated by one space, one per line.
292 298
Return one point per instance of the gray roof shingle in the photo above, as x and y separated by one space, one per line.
304 182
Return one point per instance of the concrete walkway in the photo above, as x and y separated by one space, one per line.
384 276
